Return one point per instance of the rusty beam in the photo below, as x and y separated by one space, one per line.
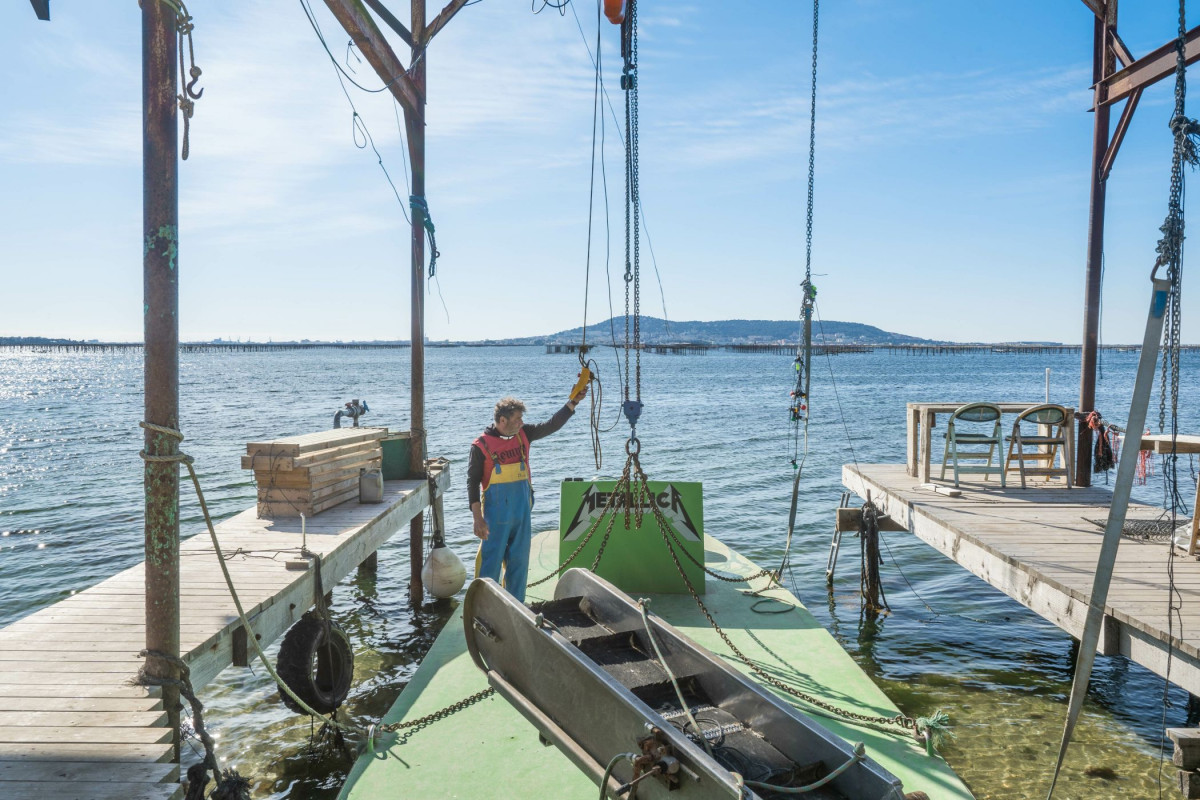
393 23
1118 45
160 269
1103 65
1097 7
1110 155
414 123
1147 70
369 40
439 22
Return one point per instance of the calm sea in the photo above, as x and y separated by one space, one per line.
70 515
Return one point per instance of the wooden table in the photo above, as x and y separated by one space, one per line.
1161 443
921 417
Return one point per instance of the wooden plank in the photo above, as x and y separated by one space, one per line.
306 443
89 790
122 704
68 735
272 494
83 719
94 751
55 771
11 689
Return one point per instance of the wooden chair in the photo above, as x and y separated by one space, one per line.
1050 440
955 437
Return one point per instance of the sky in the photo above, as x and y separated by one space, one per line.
951 182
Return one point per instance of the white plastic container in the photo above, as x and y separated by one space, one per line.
370 486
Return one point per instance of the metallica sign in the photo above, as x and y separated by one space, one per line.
635 559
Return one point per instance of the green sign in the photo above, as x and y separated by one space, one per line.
636 559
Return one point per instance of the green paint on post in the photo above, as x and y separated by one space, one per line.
168 234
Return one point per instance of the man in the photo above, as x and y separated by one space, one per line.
500 493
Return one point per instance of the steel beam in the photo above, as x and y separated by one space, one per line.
439 22
41 8
160 267
1102 67
414 123
390 19
369 40
1147 70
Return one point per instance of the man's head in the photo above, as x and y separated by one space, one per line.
509 416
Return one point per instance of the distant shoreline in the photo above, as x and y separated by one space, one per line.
38 344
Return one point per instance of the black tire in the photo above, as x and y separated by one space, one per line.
319 675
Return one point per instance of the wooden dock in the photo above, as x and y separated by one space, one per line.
71 723
1040 547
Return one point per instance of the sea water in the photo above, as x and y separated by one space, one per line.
71 515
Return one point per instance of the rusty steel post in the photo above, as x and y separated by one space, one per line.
1102 66
415 125
160 221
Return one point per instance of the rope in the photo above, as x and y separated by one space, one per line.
870 586
230 784
644 606
418 203
188 95
188 461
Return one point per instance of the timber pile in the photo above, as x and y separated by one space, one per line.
310 473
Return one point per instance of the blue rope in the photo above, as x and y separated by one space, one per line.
418 203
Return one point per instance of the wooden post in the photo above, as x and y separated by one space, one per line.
160 271
414 123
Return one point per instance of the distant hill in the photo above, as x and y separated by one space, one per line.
729 331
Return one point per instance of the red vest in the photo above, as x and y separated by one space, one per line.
506 459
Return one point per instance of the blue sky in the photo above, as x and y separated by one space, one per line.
951 201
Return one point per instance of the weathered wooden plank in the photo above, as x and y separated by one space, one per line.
68 735
88 790
121 704
91 771
83 719
87 751
11 689
306 443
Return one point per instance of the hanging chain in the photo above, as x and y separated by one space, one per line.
812 153
635 196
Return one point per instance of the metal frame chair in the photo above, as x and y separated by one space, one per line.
1050 441
975 413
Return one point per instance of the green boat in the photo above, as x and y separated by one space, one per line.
465 744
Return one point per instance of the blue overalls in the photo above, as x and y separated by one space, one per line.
507 510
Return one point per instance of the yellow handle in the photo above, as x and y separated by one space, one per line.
585 375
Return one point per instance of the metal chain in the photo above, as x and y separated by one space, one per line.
812 151
587 537
412 726
635 197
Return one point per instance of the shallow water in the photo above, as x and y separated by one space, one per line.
70 515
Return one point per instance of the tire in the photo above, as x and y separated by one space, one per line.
319 675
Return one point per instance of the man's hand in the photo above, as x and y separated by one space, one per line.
481 526
577 398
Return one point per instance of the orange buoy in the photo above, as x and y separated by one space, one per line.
615 11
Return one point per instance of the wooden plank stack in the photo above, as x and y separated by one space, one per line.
310 473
